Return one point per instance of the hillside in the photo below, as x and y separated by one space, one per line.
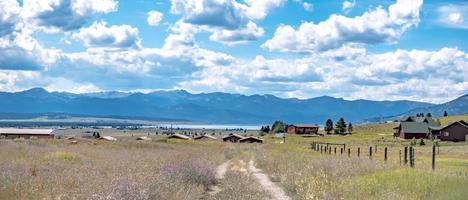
205 107
458 106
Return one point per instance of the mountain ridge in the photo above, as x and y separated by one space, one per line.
217 107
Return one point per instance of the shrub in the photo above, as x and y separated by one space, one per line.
195 171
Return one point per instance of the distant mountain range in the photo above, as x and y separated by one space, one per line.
219 108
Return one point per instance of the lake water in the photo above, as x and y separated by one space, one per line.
206 126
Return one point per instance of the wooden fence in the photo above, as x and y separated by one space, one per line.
408 153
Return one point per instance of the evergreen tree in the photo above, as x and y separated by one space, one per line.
328 126
278 127
341 126
267 129
350 128
445 114
428 115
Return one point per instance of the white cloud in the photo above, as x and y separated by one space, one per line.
154 17
308 6
229 21
233 37
65 15
454 16
100 35
373 27
9 16
348 6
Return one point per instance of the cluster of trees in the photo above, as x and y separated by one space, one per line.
422 115
277 127
340 127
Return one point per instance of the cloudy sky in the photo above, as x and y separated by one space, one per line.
379 49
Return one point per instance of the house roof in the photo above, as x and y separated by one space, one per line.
26 131
461 122
306 125
205 136
407 119
233 135
414 127
179 136
250 138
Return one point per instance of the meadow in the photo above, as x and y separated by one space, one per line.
179 169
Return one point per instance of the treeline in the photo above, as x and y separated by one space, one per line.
277 127
341 127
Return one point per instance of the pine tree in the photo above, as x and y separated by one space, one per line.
428 115
341 126
328 126
445 114
350 128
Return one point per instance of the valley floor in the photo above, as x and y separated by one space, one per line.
173 169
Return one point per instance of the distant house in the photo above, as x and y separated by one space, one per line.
303 129
456 131
12 133
205 137
416 127
179 136
251 140
232 138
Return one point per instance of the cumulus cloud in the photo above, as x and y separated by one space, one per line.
454 16
154 17
229 21
100 35
9 16
65 15
348 6
233 37
373 27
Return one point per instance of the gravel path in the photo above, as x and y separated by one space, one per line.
220 172
275 191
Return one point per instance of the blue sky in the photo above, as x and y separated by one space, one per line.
380 50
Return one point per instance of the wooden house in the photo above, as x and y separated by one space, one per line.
303 129
456 131
416 127
232 137
12 133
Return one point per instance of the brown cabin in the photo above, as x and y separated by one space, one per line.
416 127
303 129
232 138
251 140
456 131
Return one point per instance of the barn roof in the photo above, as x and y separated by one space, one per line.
250 138
26 131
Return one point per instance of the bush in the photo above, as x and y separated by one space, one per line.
196 171
421 142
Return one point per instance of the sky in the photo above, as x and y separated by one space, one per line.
362 49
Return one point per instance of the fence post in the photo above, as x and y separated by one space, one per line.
375 149
321 149
406 155
349 152
329 150
358 151
385 154
370 153
400 157
433 157
335 150
341 150
411 156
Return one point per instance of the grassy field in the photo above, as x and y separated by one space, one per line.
173 169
